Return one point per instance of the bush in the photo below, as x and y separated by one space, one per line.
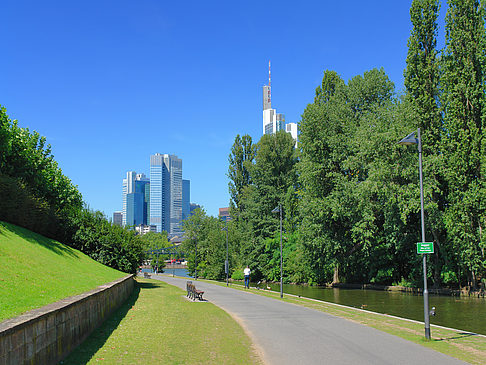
238 274
405 283
19 206
448 277
383 276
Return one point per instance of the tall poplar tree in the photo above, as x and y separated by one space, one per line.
422 83
422 72
464 122
240 159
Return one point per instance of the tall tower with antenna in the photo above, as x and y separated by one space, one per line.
267 91
272 121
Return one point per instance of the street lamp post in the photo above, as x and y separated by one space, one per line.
195 260
409 140
226 263
279 210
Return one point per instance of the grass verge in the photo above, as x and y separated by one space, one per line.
460 344
36 271
158 325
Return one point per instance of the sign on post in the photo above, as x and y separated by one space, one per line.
425 247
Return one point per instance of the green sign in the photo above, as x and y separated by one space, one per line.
425 247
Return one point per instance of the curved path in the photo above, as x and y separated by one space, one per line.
291 334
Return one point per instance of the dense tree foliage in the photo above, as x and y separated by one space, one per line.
422 77
351 193
154 241
463 143
241 157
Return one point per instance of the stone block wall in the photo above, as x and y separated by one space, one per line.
47 335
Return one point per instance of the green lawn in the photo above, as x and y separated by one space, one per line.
35 271
158 325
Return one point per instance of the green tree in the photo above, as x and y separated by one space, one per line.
240 159
205 233
463 102
273 178
155 241
422 77
422 73
347 139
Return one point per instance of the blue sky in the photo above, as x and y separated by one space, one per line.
111 82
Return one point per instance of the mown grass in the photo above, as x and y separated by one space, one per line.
455 343
158 325
35 271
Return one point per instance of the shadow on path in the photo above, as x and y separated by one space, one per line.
85 352
458 336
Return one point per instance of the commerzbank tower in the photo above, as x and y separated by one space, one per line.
273 121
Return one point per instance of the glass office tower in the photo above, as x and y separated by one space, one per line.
186 198
166 193
156 191
135 201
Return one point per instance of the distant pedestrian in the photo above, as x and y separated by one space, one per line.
247 273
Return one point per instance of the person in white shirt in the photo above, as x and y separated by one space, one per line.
247 273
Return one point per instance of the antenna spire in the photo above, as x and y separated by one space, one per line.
269 75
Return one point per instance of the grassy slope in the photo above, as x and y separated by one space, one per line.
158 325
35 271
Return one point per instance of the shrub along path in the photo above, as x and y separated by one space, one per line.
158 325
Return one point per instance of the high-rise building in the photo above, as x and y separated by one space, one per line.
273 121
166 193
186 198
128 187
135 201
292 129
117 218
193 207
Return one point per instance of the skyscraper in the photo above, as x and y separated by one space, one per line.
186 199
135 200
166 193
128 187
118 218
273 121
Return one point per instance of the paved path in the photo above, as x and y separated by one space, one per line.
292 334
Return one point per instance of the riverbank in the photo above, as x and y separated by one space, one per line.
467 291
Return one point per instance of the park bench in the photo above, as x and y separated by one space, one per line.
146 275
192 292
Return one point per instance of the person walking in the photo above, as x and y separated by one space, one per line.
247 273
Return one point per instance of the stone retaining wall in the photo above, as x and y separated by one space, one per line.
47 335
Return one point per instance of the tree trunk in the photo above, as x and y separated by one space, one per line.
335 280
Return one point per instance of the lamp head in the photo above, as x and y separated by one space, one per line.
410 139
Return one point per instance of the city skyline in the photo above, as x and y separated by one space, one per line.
88 75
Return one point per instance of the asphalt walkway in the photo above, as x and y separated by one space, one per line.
292 334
